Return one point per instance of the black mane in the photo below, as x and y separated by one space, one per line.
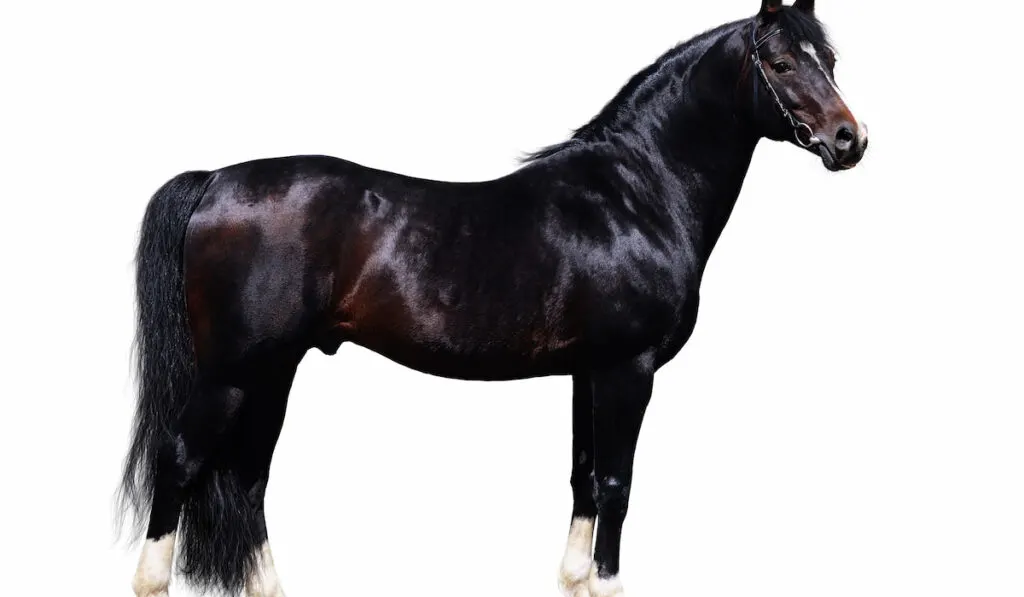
798 25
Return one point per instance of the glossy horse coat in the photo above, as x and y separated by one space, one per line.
586 261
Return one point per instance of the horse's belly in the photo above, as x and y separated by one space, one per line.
484 361
466 329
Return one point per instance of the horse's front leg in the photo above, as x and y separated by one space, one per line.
572 577
620 398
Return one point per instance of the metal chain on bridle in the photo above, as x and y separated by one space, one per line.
799 128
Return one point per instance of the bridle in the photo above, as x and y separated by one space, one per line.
799 128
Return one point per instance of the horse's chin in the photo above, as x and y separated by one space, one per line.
830 162
826 158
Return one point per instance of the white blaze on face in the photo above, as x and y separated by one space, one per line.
153 575
576 562
264 582
808 48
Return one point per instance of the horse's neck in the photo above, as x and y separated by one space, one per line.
692 133
711 175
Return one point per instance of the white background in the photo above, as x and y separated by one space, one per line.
846 420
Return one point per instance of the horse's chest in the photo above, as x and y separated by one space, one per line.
632 319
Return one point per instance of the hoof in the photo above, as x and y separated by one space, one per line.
572 577
141 590
264 591
264 581
578 590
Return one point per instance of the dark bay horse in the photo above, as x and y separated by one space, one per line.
587 261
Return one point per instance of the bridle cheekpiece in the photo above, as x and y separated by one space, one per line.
801 130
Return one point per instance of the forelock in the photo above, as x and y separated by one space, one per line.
800 26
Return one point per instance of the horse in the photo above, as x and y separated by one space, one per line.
585 261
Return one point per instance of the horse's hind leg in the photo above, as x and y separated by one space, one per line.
258 430
577 559
180 457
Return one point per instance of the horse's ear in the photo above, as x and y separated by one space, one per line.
770 6
804 5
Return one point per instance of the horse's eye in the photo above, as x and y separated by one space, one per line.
782 67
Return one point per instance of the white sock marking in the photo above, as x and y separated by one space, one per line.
576 561
604 587
153 575
264 582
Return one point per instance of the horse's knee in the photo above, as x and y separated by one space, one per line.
582 481
611 494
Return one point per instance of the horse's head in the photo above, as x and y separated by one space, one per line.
795 94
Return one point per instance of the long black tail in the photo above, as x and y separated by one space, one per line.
165 362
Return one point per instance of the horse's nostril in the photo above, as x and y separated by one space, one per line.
844 136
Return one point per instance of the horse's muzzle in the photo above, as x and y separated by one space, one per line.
846 147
